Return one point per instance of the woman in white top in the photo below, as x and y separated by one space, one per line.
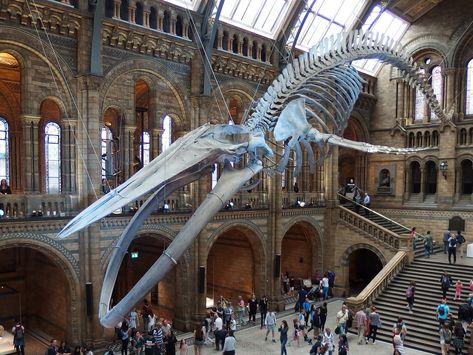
229 345
328 340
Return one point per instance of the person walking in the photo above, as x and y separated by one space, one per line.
252 307
230 344
367 204
445 335
270 323
375 323
461 243
446 235
428 245
414 238
442 312
452 249
410 292
323 315
343 345
458 336
263 309
445 282
342 317
18 332
458 290
283 329
241 311
360 319
328 341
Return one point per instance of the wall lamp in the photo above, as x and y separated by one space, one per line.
444 169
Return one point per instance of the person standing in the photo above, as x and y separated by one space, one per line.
133 321
458 336
230 344
52 348
367 204
325 286
445 335
458 290
461 243
198 340
342 317
263 309
343 345
446 235
241 311
147 314
375 323
328 340
410 292
283 329
428 244
360 319
252 307
18 332
270 323
452 249
445 282
323 315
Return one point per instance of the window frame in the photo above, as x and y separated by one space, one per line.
48 161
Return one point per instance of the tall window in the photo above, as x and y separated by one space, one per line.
4 150
52 144
436 83
167 134
421 107
215 175
469 88
145 148
107 152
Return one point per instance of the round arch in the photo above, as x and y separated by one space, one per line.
62 260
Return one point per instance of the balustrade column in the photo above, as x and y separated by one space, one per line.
116 8
156 135
231 39
70 155
146 14
172 30
67 2
160 20
240 45
30 137
132 14
185 28
259 48
268 59
407 101
220 40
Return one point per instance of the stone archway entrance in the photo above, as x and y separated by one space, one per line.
363 266
297 262
142 253
234 266
35 289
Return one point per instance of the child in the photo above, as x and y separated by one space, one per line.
458 289
297 331
183 348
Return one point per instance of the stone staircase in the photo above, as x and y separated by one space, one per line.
422 326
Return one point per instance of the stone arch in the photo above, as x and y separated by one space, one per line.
57 101
143 67
427 42
317 244
253 238
61 258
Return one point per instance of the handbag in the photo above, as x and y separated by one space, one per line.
338 330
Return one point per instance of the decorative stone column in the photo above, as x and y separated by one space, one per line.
220 40
173 22
128 152
185 28
132 13
116 9
30 136
240 44
449 77
259 48
69 156
156 135
400 99
160 20
146 14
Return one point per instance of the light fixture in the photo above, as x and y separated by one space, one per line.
444 168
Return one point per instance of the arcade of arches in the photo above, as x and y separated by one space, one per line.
71 132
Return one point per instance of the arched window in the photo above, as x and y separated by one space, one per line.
215 175
167 22
430 178
4 150
419 139
235 44
427 139
254 50
467 177
245 47
107 152
435 138
109 8
167 133
52 145
145 148
411 141
470 136
436 83
179 26
263 53
469 88
124 10
420 104
415 178
153 19
225 41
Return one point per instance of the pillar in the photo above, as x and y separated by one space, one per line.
132 14
146 14
160 19
116 8
30 136
172 30
128 152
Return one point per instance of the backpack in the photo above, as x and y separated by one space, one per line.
19 332
445 281
441 310
409 292
349 319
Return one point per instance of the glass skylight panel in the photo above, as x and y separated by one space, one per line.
188 4
260 16
327 17
381 21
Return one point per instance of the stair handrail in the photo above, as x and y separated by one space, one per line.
366 297
418 235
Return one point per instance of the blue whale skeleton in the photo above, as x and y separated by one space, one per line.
309 102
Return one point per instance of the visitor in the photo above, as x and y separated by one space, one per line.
367 204
328 340
133 322
458 290
252 308
227 315
18 332
445 282
4 187
52 348
124 337
270 323
146 314
283 329
465 314
325 286
428 244
343 345
461 243
452 249
375 323
263 309
241 311
158 338
446 235
341 321
323 314
297 332
78 351
138 343
331 282
358 200
198 340
442 312
398 343
229 345
170 342
414 238
314 320
458 336
400 325
410 294
184 348
445 335
360 319
64 349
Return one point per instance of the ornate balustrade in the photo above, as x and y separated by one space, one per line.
290 199
378 284
374 231
23 206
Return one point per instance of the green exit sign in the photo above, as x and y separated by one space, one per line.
134 255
